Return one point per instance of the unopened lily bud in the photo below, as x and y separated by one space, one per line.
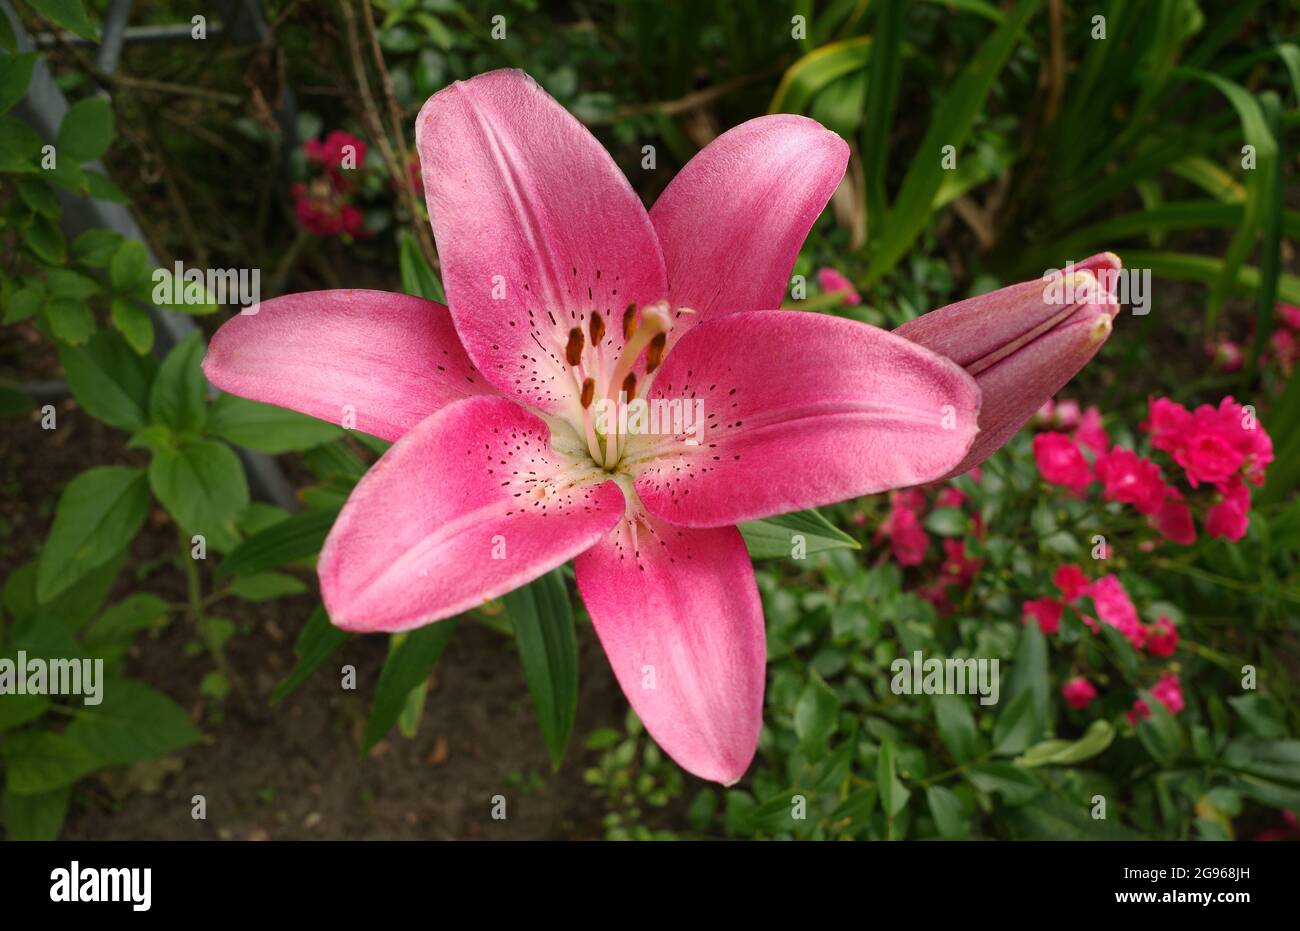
1022 343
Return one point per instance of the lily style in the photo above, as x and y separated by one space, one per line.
563 292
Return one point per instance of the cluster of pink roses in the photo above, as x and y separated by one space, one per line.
323 205
909 543
1115 608
1223 448
1284 345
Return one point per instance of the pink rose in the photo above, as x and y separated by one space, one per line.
1091 433
1060 462
1229 518
832 282
1174 519
1078 692
1167 422
1208 453
1115 608
907 538
1162 637
1129 478
950 497
1225 355
1047 611
1068 415
959 568
912 499
1169 692
1071 581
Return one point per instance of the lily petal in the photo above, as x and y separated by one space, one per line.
469 505
679 616
732 221
799 410
536 228
392 359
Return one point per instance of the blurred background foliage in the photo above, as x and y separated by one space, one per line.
1162 130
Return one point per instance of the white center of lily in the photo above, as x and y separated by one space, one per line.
602 376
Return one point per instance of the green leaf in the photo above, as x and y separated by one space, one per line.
948 812
1187 267
70 14
39 816
8 41
1016 726
408 722
265 586
1016 786
202 486
67 175
133 723
37 195
19 146
177 398
951 125
133 323
318 641
417 277
15 75
46 241
24 302
111 635
64 282
1049 817
1095 740
129 270
102 187
1270 189
70 320
543 622
96 247
42 761
956 726
816 713
410 661
1262 715
882 92
1160 733
70 610
108 380
1259 183
946 522
893 794
266 427
778 536
99 513
1029 673
86 131
19 708
813 72
298 537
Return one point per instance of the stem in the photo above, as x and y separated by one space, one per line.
192 581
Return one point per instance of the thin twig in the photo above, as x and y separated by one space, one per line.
375 124
179 90
692 101
394 111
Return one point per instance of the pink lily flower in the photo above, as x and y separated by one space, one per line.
566 294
